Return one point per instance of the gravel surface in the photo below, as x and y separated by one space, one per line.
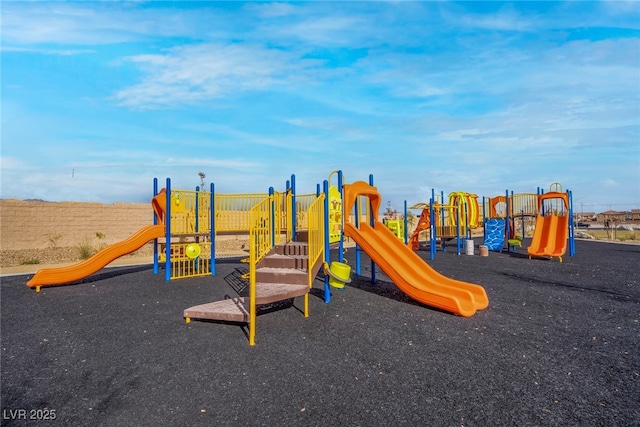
557 346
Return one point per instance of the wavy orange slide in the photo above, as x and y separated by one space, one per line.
412 275
60 275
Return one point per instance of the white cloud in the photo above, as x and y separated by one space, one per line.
195 73
273 10
100 23
63 52
476 101
623 7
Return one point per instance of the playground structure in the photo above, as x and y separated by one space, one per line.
290 237
446 221
501 213
506 221
553 230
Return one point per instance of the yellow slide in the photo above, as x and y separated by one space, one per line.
60 275
410 273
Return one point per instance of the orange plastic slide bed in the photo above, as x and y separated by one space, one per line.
406 269
60 275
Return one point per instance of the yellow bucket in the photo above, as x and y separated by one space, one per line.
339 274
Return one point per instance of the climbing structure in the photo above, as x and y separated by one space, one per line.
279 268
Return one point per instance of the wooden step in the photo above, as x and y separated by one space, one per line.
292 248
271 292
276 260
281 275
236 309
229 310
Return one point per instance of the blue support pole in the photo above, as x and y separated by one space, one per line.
167 220
443 243
197 223
484 219
357 222
341 244
406 224
432 220
212 209
197 226
372 221
327 249
156 267
507 223
572 240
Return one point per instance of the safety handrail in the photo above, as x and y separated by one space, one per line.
303 202
267 221
232 211
260 243
315 224
190 212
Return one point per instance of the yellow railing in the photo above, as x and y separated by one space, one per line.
183 266
315 225
524 204
232 211
282 215
303 202
260 241
190 225
184 212
268 222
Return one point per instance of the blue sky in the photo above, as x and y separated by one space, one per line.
98 98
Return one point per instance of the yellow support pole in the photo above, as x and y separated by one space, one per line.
252 292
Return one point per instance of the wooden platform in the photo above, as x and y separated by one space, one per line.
229 310
237 309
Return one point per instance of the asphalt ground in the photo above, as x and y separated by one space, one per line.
557 346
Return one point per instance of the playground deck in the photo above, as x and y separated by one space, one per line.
558 345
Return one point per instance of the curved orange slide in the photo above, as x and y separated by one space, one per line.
410 273
60 275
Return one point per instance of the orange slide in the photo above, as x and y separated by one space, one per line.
406 269
424 223
551 232
60 275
